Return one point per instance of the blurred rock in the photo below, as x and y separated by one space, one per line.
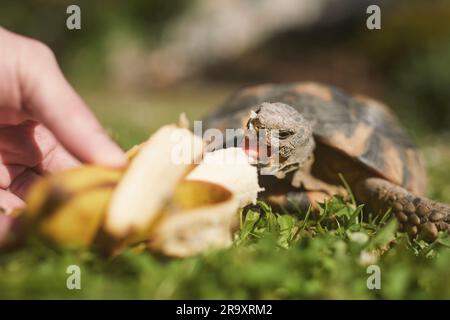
215 31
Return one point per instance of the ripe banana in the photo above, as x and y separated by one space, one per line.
231 169
199 217
151 200
149 181
68 208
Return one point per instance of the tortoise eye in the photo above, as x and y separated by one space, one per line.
282 134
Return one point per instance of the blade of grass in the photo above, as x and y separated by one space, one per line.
355 215
347 187
305 221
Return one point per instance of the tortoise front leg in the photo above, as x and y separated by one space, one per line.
416 215
297 200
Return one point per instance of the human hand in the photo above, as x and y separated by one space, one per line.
44 125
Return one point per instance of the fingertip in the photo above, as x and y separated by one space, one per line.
108 153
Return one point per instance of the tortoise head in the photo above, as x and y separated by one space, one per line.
280 138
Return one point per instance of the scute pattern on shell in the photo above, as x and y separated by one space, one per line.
360 127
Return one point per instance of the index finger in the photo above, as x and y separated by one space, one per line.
50 98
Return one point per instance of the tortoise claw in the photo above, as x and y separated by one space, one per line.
418 216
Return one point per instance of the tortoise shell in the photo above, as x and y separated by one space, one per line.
357 127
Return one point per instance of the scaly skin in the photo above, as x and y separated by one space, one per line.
416 215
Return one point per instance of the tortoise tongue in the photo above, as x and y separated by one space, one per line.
251 152
258 152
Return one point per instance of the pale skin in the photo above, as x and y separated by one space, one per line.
44 124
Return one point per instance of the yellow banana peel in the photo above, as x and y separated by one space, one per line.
67 208
199 218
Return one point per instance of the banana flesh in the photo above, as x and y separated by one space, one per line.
199 218
150 180
229 168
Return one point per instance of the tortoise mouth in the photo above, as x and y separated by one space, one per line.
255 142
258 144
260 152
264 158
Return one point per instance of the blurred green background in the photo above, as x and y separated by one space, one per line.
139 64
111 60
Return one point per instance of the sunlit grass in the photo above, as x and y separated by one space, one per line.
273 256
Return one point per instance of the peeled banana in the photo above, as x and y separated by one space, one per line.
199 217
162 198
150 179
231 169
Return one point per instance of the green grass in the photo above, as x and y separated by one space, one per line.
303 255
273 256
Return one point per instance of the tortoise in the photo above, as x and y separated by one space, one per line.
322 132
